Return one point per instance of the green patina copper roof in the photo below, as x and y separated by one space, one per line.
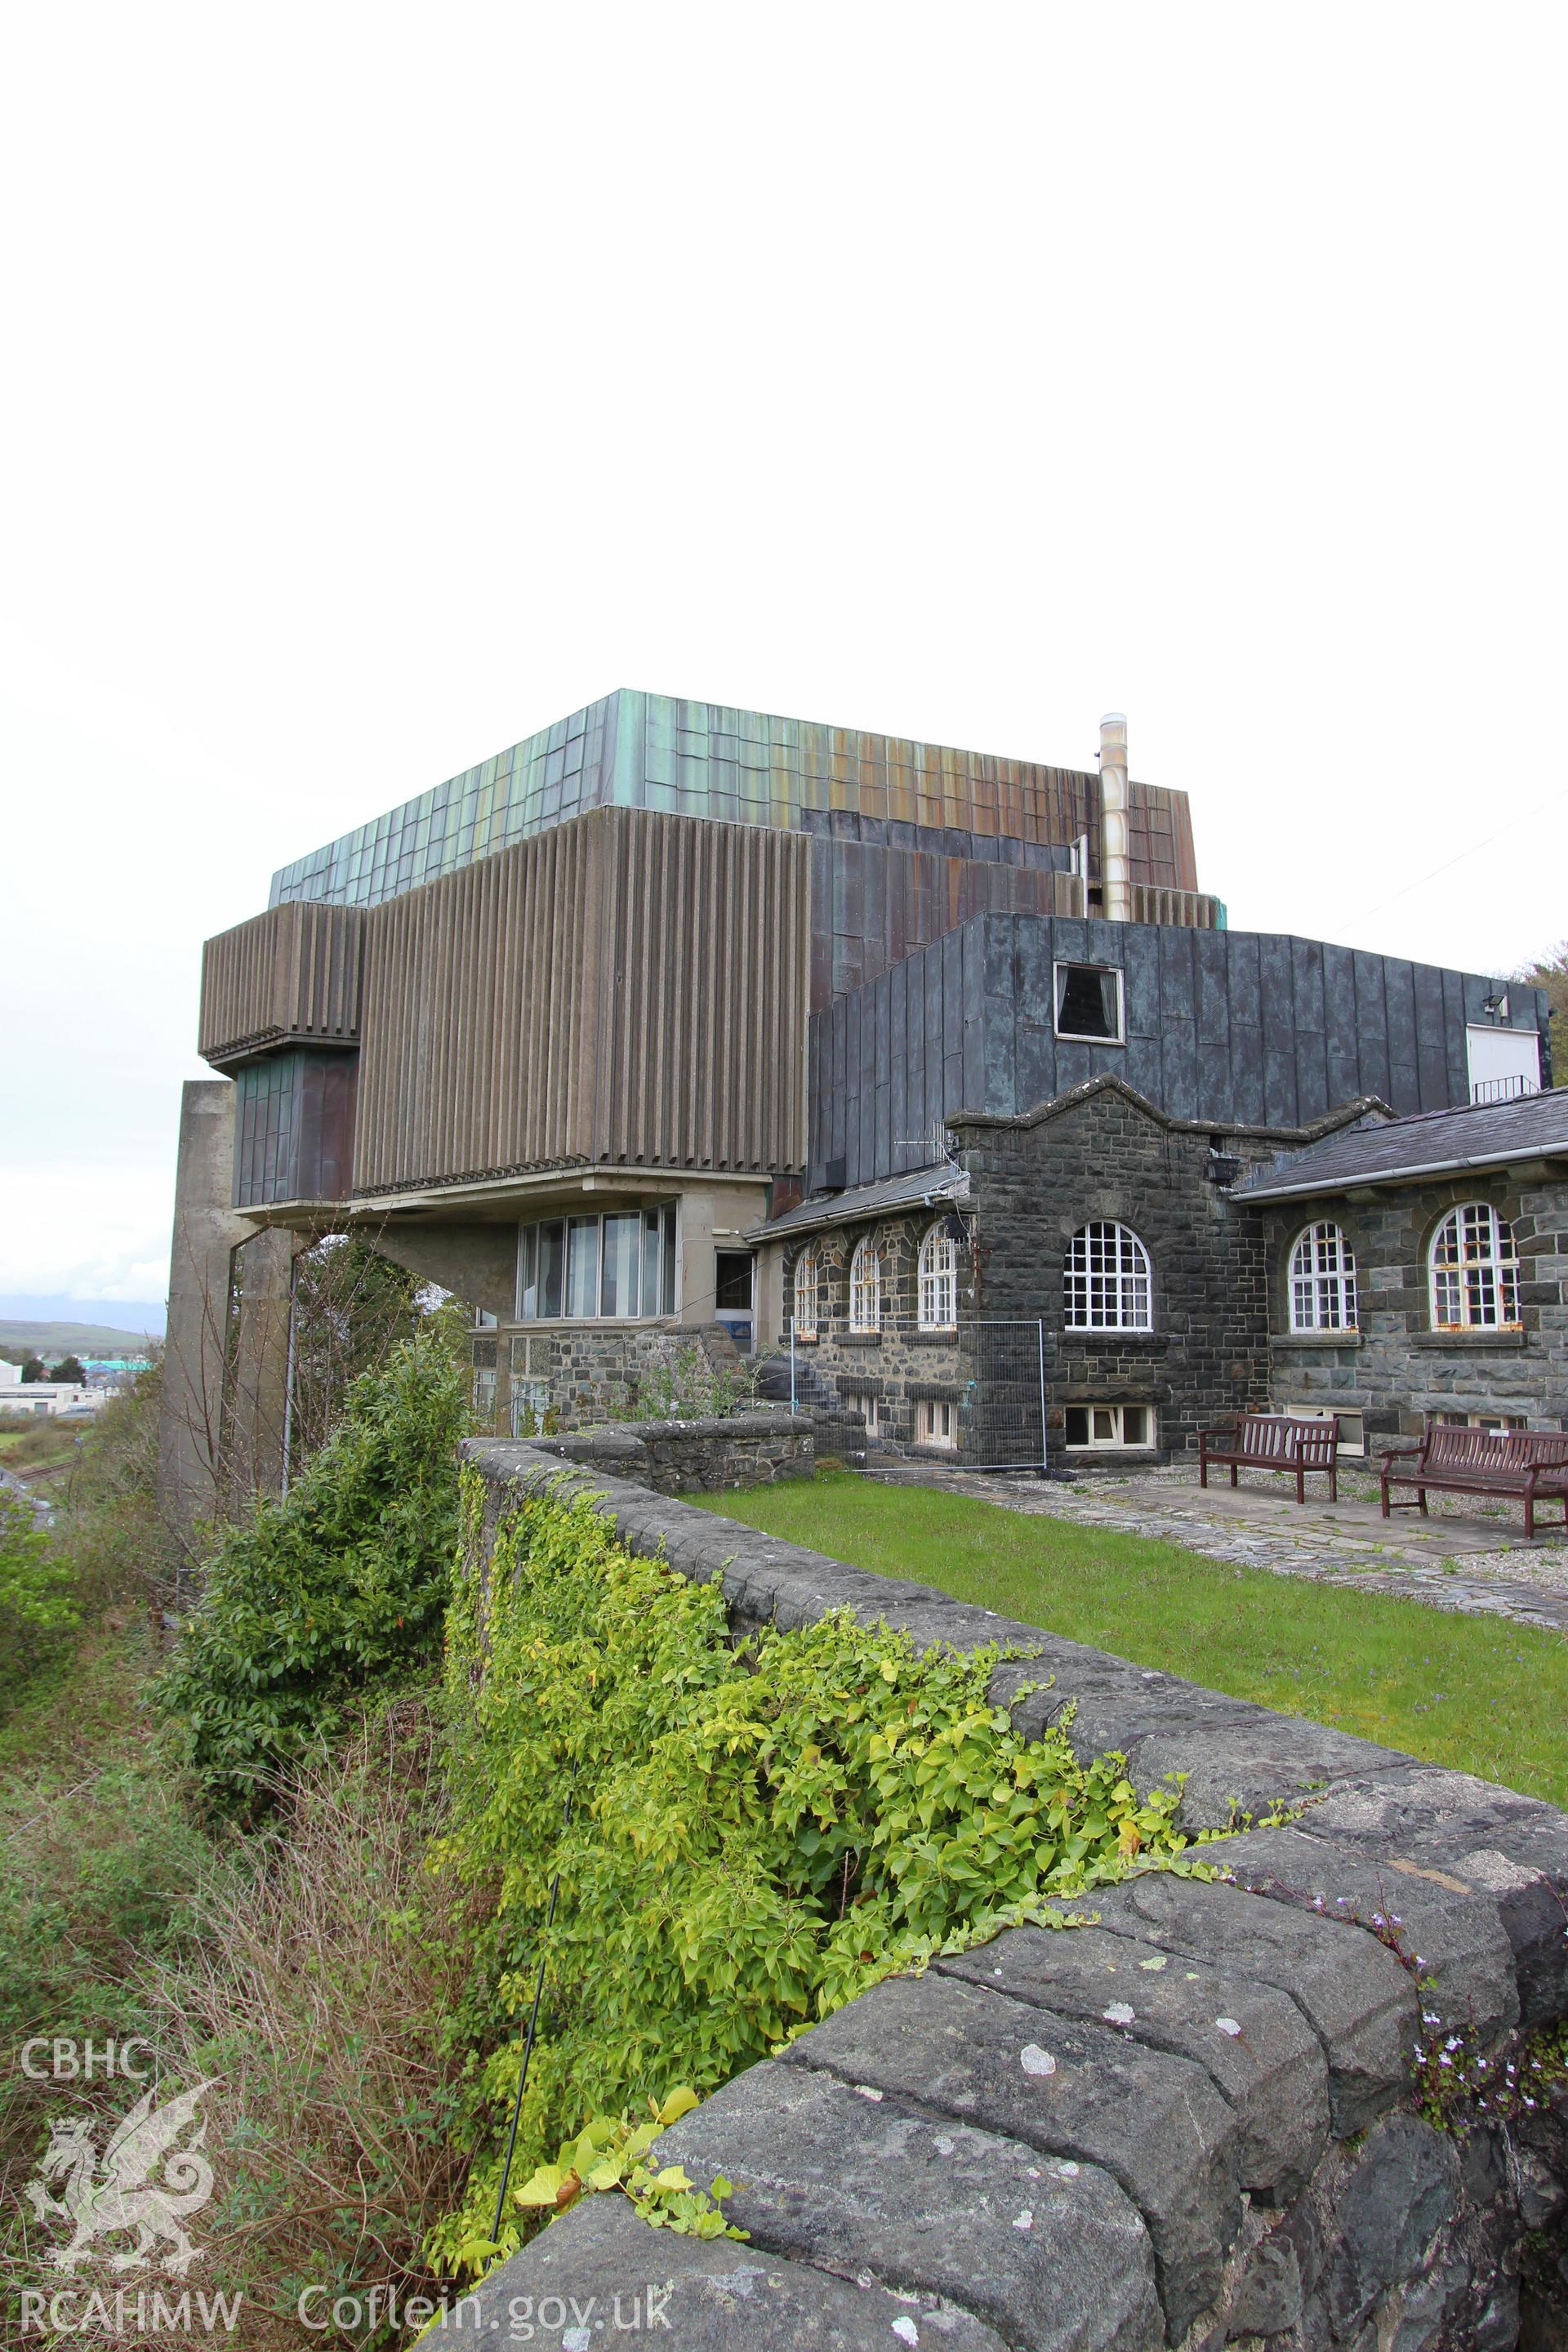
695 758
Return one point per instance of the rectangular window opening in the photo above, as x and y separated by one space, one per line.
936 1423
618 1266
1098 1428
1088 1003
1353 1425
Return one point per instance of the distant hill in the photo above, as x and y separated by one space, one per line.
55 1340
33 1314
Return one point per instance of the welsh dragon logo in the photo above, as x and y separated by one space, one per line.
123 2195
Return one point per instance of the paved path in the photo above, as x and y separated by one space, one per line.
1477 1565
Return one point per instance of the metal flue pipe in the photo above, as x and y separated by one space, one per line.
1115 834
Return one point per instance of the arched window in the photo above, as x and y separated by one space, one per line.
866 1288
807 1293
1475 1270
938 1282
1323 1281
1107 1280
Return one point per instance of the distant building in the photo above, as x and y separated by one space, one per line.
679 1025
44 1397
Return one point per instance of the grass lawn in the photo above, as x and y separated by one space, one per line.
1476 1693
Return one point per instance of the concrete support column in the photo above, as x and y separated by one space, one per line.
196 1353
257 1424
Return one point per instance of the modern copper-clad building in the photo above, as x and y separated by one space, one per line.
568 1033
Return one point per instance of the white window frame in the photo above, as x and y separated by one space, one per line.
1472 1268
1117 1441
806 1292
664 1219
1322 1280
1084 963
1350 1418
936 1423
866 1286
530 1406
937 1308
1107 1282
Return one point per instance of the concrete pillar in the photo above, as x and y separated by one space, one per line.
256 1423
225 1357
196 1353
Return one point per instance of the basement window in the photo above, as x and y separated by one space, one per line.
1092 1428
1090 1002
1353 1425
936 1423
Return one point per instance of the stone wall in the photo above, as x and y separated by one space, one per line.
1396 1369
1101 1153
898 1367
571 1375
980 2159
742 1449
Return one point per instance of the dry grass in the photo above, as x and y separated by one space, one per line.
310 1973
317 1992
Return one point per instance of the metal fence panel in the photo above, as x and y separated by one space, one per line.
977 1394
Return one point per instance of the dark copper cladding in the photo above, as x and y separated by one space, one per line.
627 988
289 977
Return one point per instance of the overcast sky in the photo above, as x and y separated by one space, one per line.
382 384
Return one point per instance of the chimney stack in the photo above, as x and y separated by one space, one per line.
1115 837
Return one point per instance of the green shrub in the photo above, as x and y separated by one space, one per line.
757 1834
339 1587
36 1605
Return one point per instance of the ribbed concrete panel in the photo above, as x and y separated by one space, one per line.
628 987
1189 910
289 977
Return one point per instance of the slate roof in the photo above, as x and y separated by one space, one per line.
1384 1151
939 1183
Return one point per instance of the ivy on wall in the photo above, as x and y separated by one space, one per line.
758 1833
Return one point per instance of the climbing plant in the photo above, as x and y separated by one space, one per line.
758 1831
328 1593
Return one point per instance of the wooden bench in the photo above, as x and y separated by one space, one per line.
1272 1440
1519 1465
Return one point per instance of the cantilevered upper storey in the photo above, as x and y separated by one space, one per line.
599 949
747 767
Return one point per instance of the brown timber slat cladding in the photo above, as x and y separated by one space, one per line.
629 987
290 976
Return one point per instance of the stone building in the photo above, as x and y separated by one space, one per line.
1417 1268
1168 1271
609 1034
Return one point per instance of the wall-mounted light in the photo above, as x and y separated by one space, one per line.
1496 1007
